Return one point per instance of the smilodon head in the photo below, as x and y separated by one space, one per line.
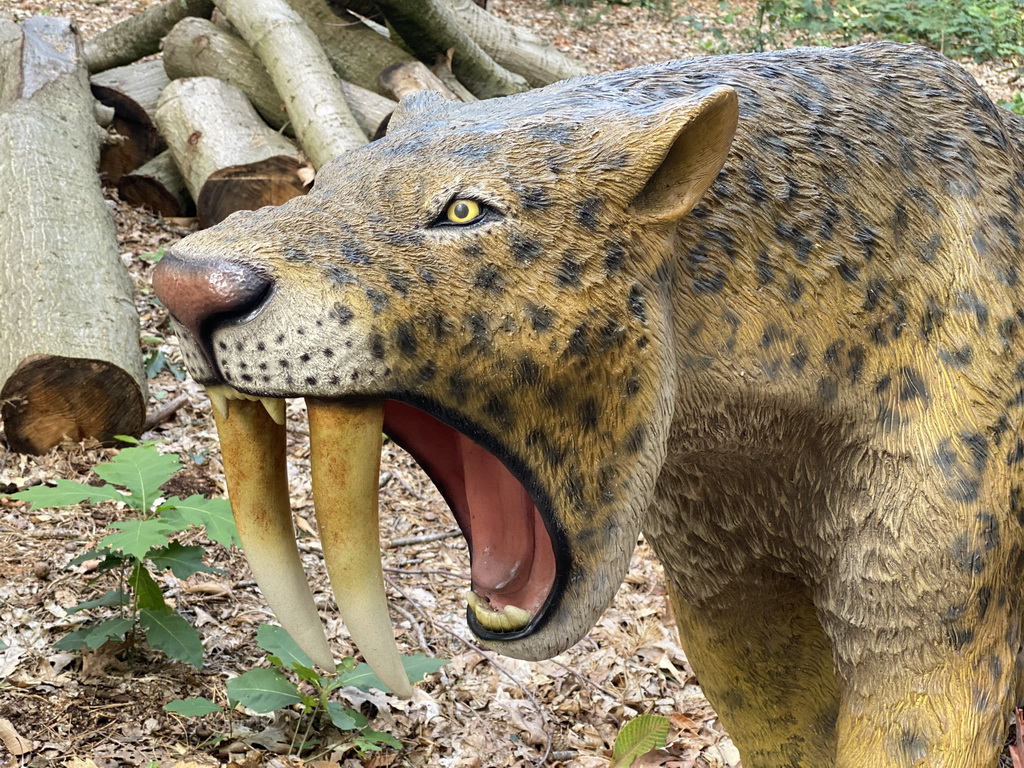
486 285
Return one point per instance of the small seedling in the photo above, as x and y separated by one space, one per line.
638 737
285 684
137 548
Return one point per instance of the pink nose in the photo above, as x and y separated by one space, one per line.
200 293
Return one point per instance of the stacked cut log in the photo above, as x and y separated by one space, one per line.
210 106
69 334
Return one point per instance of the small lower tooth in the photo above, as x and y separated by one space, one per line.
218 399
509 618
275 407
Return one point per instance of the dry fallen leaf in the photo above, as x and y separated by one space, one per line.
15 743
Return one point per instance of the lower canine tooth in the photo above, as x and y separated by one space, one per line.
218 399
509 618
275 407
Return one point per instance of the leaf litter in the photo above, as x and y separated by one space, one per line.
104 708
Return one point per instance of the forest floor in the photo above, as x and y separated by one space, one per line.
104 708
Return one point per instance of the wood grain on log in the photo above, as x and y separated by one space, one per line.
158 186
230 159
429 28
139 35
302 74
133 91
70 363
199 48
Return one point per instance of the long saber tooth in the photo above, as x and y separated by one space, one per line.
253 449
344 451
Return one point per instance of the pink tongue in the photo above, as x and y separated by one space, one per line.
502 528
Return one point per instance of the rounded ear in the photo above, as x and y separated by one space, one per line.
416 104
684 146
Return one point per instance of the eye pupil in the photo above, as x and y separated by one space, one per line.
461 211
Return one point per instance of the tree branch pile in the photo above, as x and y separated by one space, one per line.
210 106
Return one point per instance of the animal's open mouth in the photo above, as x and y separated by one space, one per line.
513 558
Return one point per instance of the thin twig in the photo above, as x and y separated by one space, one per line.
427 571
421 639
164 412
423 538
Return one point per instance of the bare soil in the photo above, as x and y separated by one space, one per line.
104 708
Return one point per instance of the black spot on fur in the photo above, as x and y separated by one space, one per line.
405 338
490 280
378 300
588 414
524 249
637 304
588 212
569 271
541 318
614 258
967 558
376 346
636 439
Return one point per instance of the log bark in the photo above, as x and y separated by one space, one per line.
139 35
302 74
515 48
357 53
430 28
158 185
70 363
410 76
133 92
230 159
199 48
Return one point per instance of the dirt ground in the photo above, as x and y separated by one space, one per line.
104 708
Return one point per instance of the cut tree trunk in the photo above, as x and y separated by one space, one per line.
158 186
302 74
430 29
410 76
199 48
133 91
515 48
70 363
139 35
357 53
231 160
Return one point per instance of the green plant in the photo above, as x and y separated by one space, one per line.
293 681
139 547
638 737
1015 104
156 361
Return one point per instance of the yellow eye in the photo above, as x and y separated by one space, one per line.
464 211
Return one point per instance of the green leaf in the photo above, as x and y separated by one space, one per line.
94 637
183 561
638 737
115 597
263 690
148 595
370 741
173 635
341 717
277 641
417 666
213 514
137 537
68 492
194 707
142 469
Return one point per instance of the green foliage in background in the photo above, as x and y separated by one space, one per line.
980 29
293 681
140 546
